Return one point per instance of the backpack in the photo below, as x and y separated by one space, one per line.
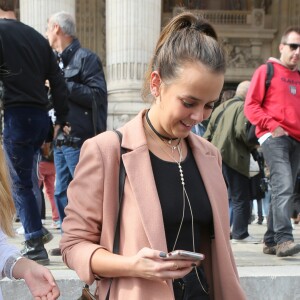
219 116
250 128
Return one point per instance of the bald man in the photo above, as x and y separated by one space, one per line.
227 131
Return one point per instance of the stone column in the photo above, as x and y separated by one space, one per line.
132 29
36 12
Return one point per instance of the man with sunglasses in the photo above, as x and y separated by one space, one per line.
276 114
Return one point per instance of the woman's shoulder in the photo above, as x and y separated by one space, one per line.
104 143
203 144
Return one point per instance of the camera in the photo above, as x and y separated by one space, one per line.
264 184
66 140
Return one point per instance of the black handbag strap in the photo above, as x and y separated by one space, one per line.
94 113
219 116
122 176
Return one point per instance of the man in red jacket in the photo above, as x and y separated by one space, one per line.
276 114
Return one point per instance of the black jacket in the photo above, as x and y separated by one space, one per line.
85 80
27 61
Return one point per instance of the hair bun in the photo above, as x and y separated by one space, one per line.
196 26
205 27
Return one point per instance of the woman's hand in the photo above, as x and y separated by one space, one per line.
151 264
38 279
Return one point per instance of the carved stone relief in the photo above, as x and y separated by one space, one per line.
243 54
258 18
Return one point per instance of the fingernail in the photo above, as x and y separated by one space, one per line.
163 254
194 265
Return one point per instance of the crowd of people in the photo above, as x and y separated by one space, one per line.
191 171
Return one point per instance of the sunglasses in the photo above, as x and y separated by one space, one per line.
293 46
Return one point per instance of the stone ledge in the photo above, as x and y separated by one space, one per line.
69 284
259 283
271 282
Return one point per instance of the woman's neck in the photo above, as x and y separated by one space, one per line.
161 149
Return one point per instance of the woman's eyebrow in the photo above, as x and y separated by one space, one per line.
198 99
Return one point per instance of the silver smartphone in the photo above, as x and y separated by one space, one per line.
182 254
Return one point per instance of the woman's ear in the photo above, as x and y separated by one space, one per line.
155 83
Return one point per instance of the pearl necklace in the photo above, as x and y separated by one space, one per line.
185 196
184 192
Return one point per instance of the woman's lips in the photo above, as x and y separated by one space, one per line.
189 125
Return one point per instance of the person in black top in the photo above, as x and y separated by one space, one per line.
174 193
27 61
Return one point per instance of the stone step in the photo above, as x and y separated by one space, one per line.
263 277
259 283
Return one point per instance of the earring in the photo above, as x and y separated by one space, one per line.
154 92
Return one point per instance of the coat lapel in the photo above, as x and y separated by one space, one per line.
140 175
210 169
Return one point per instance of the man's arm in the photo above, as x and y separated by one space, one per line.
59 90
254 100
91 84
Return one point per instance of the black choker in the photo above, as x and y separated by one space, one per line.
156 132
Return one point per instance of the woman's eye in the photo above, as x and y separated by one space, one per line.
187 104
210 105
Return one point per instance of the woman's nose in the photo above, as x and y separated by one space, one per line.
198 115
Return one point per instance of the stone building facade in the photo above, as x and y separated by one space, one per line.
124 32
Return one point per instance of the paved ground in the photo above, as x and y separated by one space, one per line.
245 254
263 277
252 255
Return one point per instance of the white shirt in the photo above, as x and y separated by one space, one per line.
6 250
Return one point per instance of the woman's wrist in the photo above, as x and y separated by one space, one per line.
112 265
10 265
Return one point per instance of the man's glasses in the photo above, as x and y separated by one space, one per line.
293 46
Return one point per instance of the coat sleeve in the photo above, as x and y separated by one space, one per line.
91 82
240 126
82 225
59 89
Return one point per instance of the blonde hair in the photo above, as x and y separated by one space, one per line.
187 38
7 208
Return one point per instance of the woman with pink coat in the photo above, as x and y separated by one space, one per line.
174 198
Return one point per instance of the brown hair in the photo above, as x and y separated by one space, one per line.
7 208
186 38
8 5
287 32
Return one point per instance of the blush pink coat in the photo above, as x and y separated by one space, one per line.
92 211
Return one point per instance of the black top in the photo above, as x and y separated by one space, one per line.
170 191
28 61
